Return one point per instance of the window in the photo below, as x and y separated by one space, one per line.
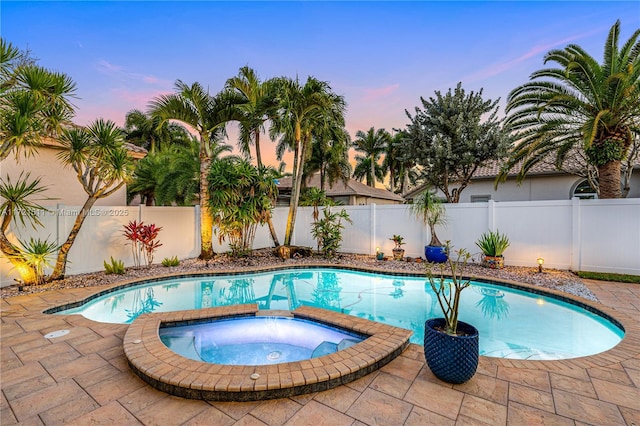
480 198
584 191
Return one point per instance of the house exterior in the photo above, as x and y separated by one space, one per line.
352 193
61 182
543 182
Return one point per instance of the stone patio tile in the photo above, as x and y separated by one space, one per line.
95 376
569 384
110 414
27 387
304 398
6 415
25 342
20 374
421 417
632 417
391 385
403 367
318 414
76 367
518 414
249 420
486 387
626 396
141 398
116 386
40 401
9 360
527 377
340 398
276 412
171 410
634 375
435 397
210 416
483 410
235 410
586 409
531 397
99 345
377 408
63 413
362 383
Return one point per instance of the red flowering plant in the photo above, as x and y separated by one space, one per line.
143 240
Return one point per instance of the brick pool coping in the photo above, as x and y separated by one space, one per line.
169 372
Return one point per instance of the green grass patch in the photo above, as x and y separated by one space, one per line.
605 276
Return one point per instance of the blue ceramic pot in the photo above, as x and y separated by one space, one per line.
435 254
453 359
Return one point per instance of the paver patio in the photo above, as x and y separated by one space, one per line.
83 378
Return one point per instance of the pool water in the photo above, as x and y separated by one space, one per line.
255 340
512 323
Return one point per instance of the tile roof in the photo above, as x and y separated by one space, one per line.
352 187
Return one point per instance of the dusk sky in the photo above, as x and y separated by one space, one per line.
381 56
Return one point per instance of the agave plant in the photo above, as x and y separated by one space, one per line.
493 243
34 256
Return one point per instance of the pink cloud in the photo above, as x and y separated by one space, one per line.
121 73
376 93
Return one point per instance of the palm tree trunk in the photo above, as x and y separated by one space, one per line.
61 262
258 155
609 179
293 201
372 183
206 220
9 250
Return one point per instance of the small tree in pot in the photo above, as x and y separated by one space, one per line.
431 212
493 245
451 347
398 251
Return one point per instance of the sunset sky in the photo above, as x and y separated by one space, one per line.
381 56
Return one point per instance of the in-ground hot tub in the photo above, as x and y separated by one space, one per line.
179 375
256 340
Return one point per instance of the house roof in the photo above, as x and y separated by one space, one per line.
340 189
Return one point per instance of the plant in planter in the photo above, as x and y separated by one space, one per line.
451 347
431 212
398 251
493 245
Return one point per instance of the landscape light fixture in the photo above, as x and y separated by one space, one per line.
540 262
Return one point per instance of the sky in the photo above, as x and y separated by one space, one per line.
382 56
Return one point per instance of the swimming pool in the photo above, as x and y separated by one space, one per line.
512 323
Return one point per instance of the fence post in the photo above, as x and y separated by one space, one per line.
196 212
372 238
576 255
491 215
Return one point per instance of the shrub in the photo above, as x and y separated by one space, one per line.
493 243
328 231
116 267
170 261
143 240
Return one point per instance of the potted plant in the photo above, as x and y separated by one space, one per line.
451 347
431 212
398 251
493 245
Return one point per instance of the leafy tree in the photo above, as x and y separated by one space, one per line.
146 176
301 108
34 102
579 105
452 136
372 144
102 165
241 197
151 132
207 115
329 155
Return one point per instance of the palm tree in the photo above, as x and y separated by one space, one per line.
300 110
256 105
102 165
34 103
329 155
373 144
152 132
579 105
207 115
146 176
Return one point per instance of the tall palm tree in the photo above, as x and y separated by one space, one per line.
329 155
581 104
146 175
372 144
301 108
256 105
207 115
35 102
151 132
102 165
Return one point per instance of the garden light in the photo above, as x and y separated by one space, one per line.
540 262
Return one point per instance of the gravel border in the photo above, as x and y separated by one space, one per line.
561 280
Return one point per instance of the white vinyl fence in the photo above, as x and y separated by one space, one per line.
589 235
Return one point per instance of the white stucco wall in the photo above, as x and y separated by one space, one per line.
62 183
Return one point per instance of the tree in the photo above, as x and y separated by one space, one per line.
207 115
372 144
255 106
329 155
454 135
34 102
102 165
146 176
300 110
151 132
241 197
582 105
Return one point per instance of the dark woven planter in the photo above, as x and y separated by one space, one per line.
453 359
